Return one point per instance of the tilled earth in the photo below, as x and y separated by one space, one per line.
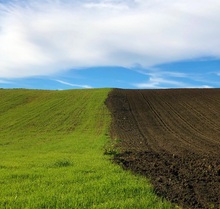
173 138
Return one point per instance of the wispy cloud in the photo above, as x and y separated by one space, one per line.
74 85
47 36
154 71
206 86
158 82
4 82
160 78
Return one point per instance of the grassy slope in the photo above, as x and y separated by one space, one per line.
51 151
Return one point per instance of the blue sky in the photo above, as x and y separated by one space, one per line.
63 44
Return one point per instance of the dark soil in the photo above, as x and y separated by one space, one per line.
173 138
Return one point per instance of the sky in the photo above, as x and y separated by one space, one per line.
146 44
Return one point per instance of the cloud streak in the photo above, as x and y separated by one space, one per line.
74 85
46 37
4 82
157 78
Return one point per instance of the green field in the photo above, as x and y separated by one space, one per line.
52 154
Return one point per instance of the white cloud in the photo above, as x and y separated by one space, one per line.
45 37
207 86
4 82
158 79
158 82
74 85
156 72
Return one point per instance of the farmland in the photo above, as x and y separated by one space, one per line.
172 137
52 146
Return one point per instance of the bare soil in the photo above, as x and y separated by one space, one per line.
171 136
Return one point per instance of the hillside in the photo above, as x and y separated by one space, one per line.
52 154
172 137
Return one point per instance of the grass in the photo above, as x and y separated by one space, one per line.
51 151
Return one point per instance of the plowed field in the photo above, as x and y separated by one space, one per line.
173 138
